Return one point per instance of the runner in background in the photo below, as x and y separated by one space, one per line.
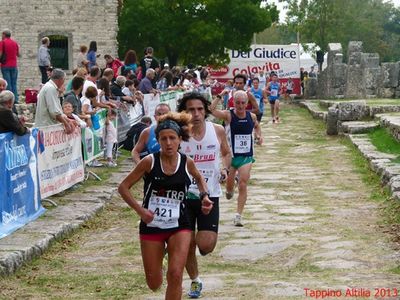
259 94
147 142
206 145
242 123
273 92
289 89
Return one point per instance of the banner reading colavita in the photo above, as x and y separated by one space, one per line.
284 60
60 159
19 184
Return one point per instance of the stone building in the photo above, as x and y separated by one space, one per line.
68 24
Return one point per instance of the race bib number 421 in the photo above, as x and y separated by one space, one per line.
166 212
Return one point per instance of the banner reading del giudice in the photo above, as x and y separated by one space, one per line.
60 159
284 60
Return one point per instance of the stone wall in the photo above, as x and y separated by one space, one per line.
80 20
361 77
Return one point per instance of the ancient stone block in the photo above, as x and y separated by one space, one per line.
331 121
355 46
371 78
339 75
369 60
352 111
354 82
390 75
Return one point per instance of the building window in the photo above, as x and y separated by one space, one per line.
59 51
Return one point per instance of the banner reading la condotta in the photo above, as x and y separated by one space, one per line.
284 60
19 183
60 159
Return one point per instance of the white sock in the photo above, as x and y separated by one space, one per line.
197 279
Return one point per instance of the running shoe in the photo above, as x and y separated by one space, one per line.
195 290
237 221
229 195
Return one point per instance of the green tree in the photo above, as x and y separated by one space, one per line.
277 34
195 31
373 22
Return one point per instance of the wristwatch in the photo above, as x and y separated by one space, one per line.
203 194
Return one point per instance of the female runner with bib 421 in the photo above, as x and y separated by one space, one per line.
163 213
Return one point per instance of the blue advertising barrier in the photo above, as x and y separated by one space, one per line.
19 184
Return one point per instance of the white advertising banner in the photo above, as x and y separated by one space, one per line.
284 60
60 161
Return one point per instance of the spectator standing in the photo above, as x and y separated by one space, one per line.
91 80
145 85
9 67
113 63
48 109
68 111
9 121
44 58
116 90
77 72
302 80
73 98
92 54
148 61
111 137
165 82
130 61
81 61
312 73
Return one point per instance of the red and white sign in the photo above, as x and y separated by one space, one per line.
284 60
60 161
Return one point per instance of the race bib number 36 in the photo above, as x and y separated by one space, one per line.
166 212
242 143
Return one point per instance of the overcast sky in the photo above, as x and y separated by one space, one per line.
282 13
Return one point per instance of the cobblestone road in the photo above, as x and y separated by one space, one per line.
309 224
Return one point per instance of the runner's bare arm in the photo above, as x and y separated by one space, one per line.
219 114
257 130
140 145
226 153
133 177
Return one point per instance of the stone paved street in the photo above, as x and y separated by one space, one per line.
309 224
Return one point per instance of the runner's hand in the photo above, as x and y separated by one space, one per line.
146 215
206 205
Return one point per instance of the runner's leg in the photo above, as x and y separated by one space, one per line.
152 255
178 248
244 176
